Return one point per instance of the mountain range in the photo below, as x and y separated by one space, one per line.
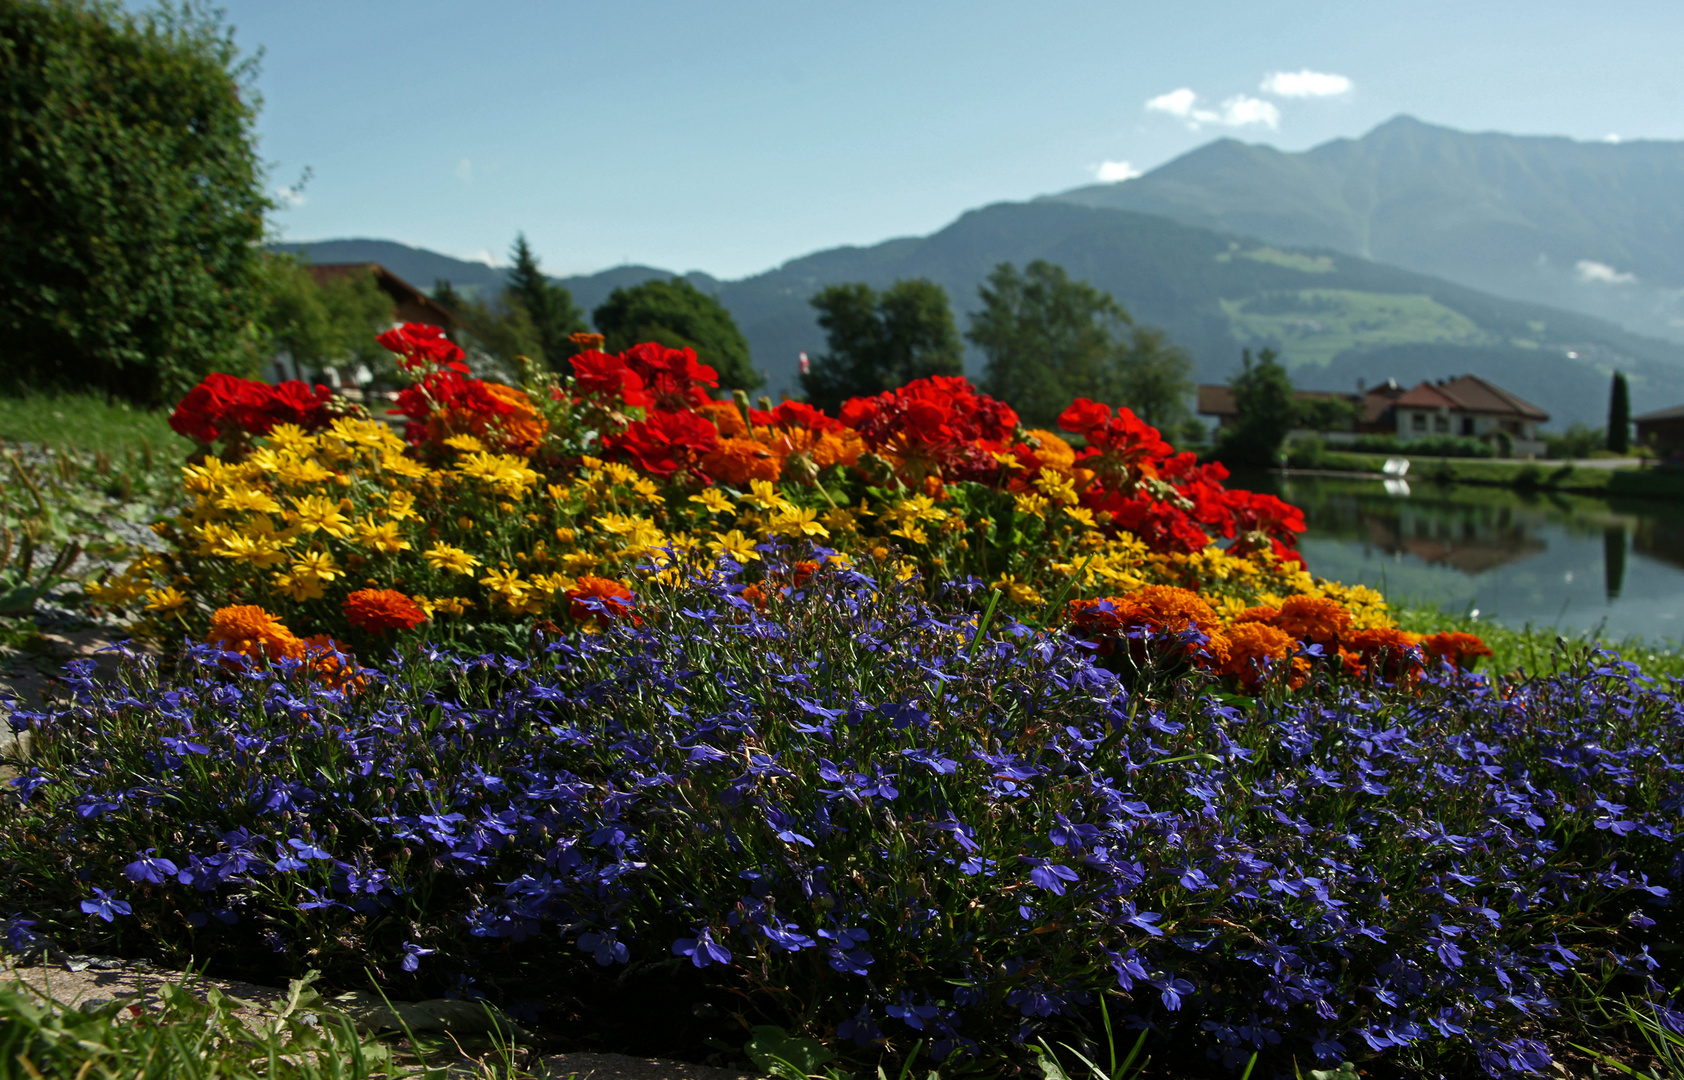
1404 254
1594 227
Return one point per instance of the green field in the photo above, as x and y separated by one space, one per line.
1312 326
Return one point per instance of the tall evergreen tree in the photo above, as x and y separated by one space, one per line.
680 316
1263 396
1048 339
880 341
548 307
1619 415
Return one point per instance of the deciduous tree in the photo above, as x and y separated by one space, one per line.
880 341
680 316
1263 396
1048 339
1619 415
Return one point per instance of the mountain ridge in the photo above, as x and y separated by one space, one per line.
1593 227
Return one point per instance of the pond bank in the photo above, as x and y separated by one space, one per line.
1633 482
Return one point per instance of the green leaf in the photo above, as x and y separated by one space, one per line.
772 1046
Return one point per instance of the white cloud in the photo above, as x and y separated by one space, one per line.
1304 83
1612 137
1111 171
292 196
1176 102
1237 111
488 257
1602 273
465 171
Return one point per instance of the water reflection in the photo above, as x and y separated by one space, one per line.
1547 560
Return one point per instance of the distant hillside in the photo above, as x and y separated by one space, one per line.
1592 227
1335 318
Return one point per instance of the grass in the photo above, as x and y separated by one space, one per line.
1315 325
184 1036
88 422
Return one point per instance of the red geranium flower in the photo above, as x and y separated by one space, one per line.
673 377
225 403
667 441
420 345
380 610
599 373
1083 416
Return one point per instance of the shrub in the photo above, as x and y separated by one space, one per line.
881 828
133 199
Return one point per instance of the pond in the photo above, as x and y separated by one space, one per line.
1548 560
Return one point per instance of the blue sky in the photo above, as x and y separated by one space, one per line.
730 137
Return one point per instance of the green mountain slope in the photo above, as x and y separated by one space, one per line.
1519 216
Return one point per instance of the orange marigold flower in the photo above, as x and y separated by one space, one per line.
726 417
1388 650
1268 616
755 595
1315 619
323 654
1054 453
248 629
804 571
1253 647
616 599
1458 649
380 610
737 461
1161 609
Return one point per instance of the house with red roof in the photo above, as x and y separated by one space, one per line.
1467 407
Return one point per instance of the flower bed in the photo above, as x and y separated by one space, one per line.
501 510
881 828
903 728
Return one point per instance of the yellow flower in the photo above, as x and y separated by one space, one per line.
291 437
839 520
763 494
618 473
798 521
316 512
453 559
911 531
298 589
1056 486
296 471
400 506
1081 515
249 500
118 588
371 433
465 443
260 551
1017 591
1030 503
713 501
381 536
407 467
450 605
645 488
1010 461
734 544
504 472
316 564
579 562
165 600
